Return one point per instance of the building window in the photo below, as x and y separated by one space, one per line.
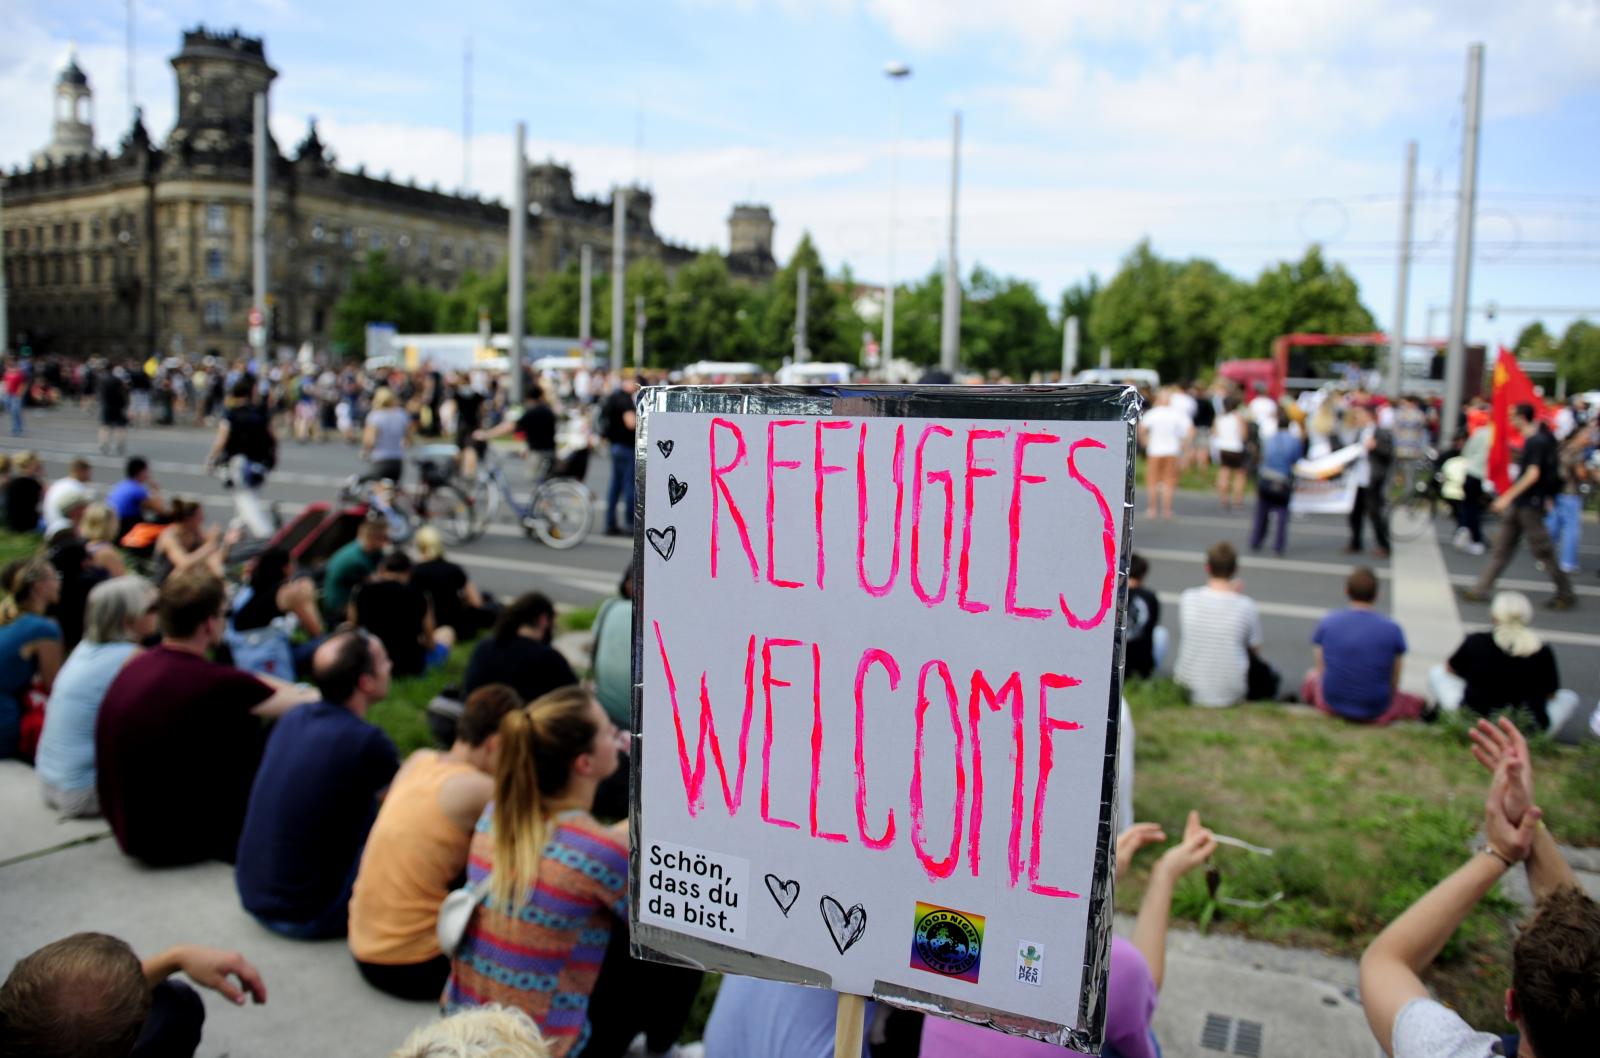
94 268
424 247
212 315
216 219
57 270
319 273
77 271
469 256
376 241
319 320
57 233
77 231
8 238
96 229
349 238
22 238
214 268
446 250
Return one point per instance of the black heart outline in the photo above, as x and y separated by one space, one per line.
675 489
665 448
656 536
790 888
844 919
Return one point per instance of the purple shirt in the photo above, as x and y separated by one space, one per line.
1358 652
1130 1004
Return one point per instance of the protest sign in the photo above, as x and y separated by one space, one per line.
1326 484
878 634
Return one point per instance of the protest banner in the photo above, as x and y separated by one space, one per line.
877 667
1326 484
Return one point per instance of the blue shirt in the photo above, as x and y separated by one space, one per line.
65 758
127 498
1358 652
16 672
312 804
1282 452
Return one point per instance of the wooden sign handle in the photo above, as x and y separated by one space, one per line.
847 1030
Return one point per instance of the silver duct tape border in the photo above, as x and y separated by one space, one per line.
1069 403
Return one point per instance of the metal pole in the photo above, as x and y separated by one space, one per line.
950 326
1460 289
5 322
585 303
619 226
517 263
638 332
258 223
897 72
1402 294
802 295
1069 349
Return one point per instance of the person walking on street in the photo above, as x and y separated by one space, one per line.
1565 520
617 424
1372 479
1522 510
16 385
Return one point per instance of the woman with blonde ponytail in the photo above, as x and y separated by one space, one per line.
30 644
557 878
1506 668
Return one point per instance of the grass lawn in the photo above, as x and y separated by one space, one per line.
1363 822
18 545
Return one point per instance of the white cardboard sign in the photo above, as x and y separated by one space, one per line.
876 676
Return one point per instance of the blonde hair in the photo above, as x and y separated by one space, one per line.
5 462
384 398
25 462
491 1031
430 545
538 744
1511 613
99 525
20 580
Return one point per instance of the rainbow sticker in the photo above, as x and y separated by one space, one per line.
947 942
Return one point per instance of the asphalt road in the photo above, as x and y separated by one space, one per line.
1293 592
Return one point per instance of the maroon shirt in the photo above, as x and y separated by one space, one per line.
176 750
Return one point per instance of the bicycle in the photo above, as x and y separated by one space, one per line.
560 512
435 501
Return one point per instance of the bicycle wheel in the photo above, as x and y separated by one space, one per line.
561 514
453 512
485 503
1411 519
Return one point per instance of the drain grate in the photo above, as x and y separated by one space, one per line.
1225 1034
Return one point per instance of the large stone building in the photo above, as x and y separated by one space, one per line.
148 249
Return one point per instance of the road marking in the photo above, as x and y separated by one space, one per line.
1550 635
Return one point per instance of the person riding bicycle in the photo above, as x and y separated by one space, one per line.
384 438
246 446
537 425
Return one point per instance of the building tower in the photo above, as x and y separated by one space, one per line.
218 76
73 131
750 231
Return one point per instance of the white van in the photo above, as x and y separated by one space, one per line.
814 374
1139 377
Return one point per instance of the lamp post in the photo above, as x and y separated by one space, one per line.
896 72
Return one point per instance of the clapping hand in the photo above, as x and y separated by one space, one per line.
1497 744
1136 837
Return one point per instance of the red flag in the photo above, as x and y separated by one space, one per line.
1511 387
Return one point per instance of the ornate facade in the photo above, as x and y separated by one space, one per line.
148 249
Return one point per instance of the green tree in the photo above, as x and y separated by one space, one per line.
703 321
1578 357
824 334
1168 315
457 309
647 278
553 305
1005 327
918 317
378 293
1307 295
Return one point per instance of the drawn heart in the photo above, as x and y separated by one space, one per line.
664 541
784 893
845 927
675 489
666 449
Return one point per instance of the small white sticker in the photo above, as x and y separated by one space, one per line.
684 888
1030 963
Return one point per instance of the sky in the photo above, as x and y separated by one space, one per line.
1237 130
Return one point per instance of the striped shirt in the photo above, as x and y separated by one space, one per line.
1217 628
543 953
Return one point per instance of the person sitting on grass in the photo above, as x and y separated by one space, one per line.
1358 656
89 994
30 645
99 530
136 496
1147 640
120 614
555 879
400 615
457 602
176 729
352 564
75 486
265 614
315 796
187 543
519 651
23 494
1506 668
1221 634
416 851
1554 998
1138 966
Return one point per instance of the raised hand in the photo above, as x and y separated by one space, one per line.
1195 849
1496 744
1136 837
1512 840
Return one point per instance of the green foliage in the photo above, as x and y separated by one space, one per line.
1005 327
1306 295
379 293
1168 315
1578 357
828 333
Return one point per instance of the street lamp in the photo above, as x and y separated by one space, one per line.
896 72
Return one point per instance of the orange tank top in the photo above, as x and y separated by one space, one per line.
413 856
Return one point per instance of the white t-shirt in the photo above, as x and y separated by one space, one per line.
1264 410
55 500
1184 403
1166 429
1426 1028
1227 433
1217 629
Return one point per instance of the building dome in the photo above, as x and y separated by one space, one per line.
71 74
